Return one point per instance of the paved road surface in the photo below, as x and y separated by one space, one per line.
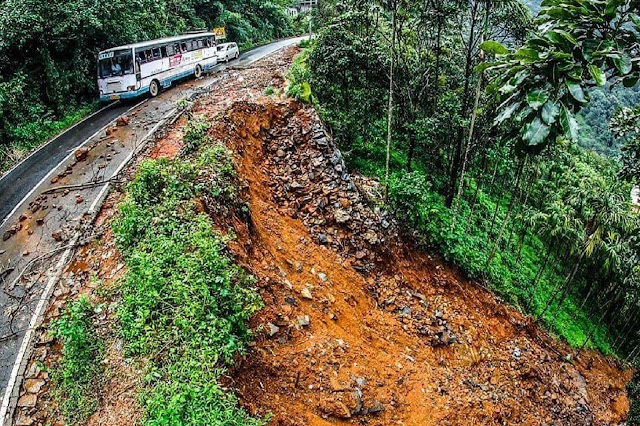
16 184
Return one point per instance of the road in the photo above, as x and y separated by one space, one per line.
20 180
43 223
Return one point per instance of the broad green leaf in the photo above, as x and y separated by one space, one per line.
623 64
576 91
598 75
537 97
536 132
527 55
569 124
491 46
550 112
482 67
506 113
612 7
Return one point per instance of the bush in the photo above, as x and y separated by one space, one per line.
195 134
185 303
77 377
298 76
633 392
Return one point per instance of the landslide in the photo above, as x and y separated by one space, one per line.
360 327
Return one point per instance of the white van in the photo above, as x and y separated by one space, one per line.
227 51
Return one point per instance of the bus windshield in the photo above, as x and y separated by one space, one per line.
116 63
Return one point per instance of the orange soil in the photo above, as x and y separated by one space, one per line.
357 354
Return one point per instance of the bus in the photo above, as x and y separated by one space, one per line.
136 69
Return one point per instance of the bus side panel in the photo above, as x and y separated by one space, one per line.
167 70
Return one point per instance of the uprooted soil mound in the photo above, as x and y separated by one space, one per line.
359 327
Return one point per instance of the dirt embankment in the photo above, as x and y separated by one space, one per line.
358 326
361 328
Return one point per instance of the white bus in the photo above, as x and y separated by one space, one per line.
133 70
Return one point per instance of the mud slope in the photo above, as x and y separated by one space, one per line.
358 327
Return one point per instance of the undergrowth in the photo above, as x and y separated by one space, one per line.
184 302
298 76
77 376
30 135
511 273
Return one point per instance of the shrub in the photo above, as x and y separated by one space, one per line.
77 377
633 392
185 303
195 134
299 76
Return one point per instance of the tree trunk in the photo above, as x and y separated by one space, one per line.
390 107
506 217
539 274
457 158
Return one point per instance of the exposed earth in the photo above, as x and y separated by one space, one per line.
359 326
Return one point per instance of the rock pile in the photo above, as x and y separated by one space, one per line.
310 181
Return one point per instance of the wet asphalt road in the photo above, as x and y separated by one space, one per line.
23 178
16 184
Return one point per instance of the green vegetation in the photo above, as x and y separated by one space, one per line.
184 302
195 134
48 52
482 142
29 135
633 390
298 76
77 377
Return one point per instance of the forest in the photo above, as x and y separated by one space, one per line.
48 52
478 138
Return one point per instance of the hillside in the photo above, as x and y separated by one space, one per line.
357 324
420 215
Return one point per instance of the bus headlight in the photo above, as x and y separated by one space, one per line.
131 88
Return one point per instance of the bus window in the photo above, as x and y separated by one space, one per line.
116 63
200 44
184 47
156 53
163 51
171 50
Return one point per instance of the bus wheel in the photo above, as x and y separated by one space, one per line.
154 88
198 71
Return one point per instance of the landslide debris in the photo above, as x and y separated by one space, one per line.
360 327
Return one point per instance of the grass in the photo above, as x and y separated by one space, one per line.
184 302
78 375
29 136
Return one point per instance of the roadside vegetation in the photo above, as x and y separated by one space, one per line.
184 302
49 52
77 377
470 165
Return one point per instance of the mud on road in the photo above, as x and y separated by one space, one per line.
359 327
